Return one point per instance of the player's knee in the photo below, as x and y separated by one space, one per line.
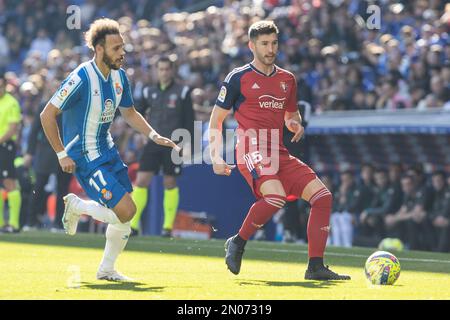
9 184
275 200
143 180
322 198
170 182
142 183
127 213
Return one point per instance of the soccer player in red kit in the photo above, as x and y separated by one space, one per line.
264 99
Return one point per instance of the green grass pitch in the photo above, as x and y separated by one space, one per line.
42 265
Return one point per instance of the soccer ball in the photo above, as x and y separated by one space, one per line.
382 268
388 244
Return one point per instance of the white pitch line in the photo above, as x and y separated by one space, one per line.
287 251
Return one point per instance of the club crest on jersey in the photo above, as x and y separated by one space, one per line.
283 86
108 112
107 195
222 94
118 88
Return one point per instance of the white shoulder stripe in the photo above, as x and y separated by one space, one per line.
68 88
117 86
93 115
236 70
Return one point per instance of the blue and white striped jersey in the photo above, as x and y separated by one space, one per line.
89 102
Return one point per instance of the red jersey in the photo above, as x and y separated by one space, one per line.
259 101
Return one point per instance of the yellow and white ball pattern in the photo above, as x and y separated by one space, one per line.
382 268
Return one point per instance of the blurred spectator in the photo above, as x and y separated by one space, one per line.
4 50
440 212
395 172
342 216
390 96
410 223
202 107
371 220
327 46
421 184
365 187
42 44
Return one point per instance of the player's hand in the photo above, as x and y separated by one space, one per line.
220 167
166 142
295 127
67 165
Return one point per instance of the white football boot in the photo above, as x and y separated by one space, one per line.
112 276
71 214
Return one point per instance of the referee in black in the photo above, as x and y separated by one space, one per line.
168 106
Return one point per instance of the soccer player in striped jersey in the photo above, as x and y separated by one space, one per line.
88 100
264 99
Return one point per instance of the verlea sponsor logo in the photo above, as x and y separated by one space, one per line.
274 103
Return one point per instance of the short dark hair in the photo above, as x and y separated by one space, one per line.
380 170
441 173
262 27
368 164
166 59
408 176
98 30
347 171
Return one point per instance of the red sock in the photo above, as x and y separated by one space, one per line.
261 212
319 222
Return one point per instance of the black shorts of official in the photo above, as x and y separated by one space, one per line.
7 156
155 157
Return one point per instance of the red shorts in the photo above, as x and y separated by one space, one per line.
293 174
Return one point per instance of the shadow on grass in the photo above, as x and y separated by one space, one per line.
303 284
121 286
270 252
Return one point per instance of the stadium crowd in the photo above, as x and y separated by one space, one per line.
398 201
340 63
